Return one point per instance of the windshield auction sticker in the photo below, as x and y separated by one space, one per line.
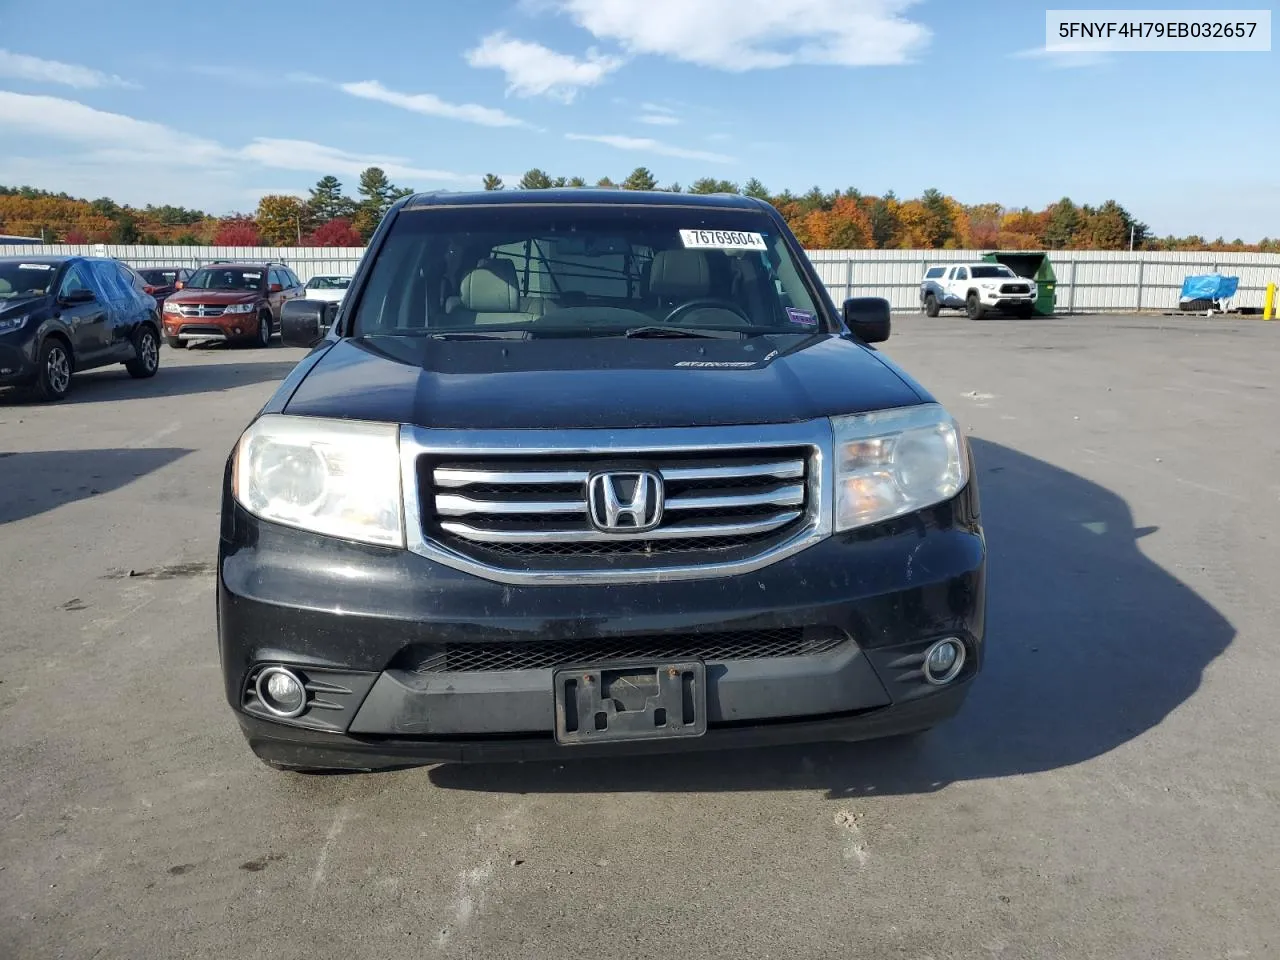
721 240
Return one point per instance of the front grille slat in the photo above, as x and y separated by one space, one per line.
590 535
453 505
548 654
787 470
459 477
792 496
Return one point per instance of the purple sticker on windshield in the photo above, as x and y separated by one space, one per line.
801 317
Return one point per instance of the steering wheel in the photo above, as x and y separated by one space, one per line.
706 302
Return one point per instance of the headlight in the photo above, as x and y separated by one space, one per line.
171 307
336 477
239 308
13 323
893 462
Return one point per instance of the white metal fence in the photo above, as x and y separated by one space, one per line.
1088 281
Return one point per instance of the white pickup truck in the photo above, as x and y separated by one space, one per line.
976 288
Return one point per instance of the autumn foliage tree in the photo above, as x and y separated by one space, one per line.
281 219
237 232
335 233
835 219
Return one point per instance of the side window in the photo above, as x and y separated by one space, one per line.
934 272
107 281
131 278
962 273
292 278
74 280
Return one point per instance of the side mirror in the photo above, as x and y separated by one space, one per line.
868 318
82 295
179 285
302 323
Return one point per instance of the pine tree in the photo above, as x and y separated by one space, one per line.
535 179
640 179
492 181
327 202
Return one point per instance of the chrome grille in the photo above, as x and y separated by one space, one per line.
545 655
540 507
201 310
519 505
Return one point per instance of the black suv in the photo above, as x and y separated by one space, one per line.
59 315
578 472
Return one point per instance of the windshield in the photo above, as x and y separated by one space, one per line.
566 270
161 277
225 278
18 279
328 283
994 270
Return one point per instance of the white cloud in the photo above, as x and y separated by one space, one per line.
1063 56
646 145
20 66
116 149
534 70
114 135
659 119
430 105
739 35
307 156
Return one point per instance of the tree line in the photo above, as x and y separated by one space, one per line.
839 219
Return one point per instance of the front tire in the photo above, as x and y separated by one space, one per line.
264 331
146 350
173 342
55 364
973 307
931 307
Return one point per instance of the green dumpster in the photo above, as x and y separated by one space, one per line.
1033 266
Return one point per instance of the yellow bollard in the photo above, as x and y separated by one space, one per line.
1269 304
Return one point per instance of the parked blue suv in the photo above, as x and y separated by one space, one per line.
61 315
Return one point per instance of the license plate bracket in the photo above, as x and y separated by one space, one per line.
630 701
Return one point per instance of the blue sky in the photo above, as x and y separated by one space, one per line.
214 105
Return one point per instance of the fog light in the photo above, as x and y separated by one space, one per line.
943 661
280 690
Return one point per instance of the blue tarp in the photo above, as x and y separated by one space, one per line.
1209 286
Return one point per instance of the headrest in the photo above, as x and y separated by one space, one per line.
491 288
680 273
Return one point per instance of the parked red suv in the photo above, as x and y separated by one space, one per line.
230 302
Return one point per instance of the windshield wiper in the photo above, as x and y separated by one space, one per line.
467 335
637 333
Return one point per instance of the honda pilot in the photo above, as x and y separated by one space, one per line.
580 472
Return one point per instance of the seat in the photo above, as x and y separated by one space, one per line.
678 276
489 294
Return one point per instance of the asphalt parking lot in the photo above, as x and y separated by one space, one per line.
1110 789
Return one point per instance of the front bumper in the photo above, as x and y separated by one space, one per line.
18 357
1008 301
358 622
236 326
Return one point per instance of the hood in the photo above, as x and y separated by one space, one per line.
329 296
18 306
215 296
606 383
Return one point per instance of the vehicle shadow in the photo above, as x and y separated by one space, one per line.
1089 645
172 380
47 479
